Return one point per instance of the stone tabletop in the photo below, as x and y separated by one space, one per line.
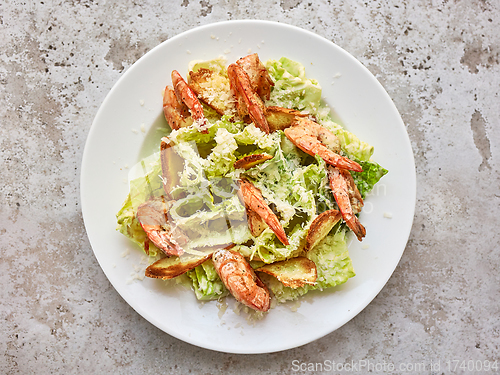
439 62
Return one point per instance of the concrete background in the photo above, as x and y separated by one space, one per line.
437 59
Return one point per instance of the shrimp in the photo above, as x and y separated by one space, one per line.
257 73
254 201
314 139
176 113
348 199
183 108
241 280
153 217
248 102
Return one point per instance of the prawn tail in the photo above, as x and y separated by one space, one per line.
345 163
357 228
278 231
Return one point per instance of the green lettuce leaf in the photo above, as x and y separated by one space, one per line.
366 180
128 225
206 282
218 65
292 89
141 190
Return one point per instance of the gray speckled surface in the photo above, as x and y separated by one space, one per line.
437 59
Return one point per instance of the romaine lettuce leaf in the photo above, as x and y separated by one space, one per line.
366 180
221 159
218 65
350 144
292 89
206 282
141 189
128 225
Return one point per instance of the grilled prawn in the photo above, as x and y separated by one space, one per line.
248 101
153 217
240 279
181 107
348 198
314 139
252 197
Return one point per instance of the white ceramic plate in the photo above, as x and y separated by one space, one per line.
125 130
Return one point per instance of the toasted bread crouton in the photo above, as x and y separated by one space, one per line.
213 89
249 161
255 223
294 272
320 227
170 267
171 165
280 118
173 266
